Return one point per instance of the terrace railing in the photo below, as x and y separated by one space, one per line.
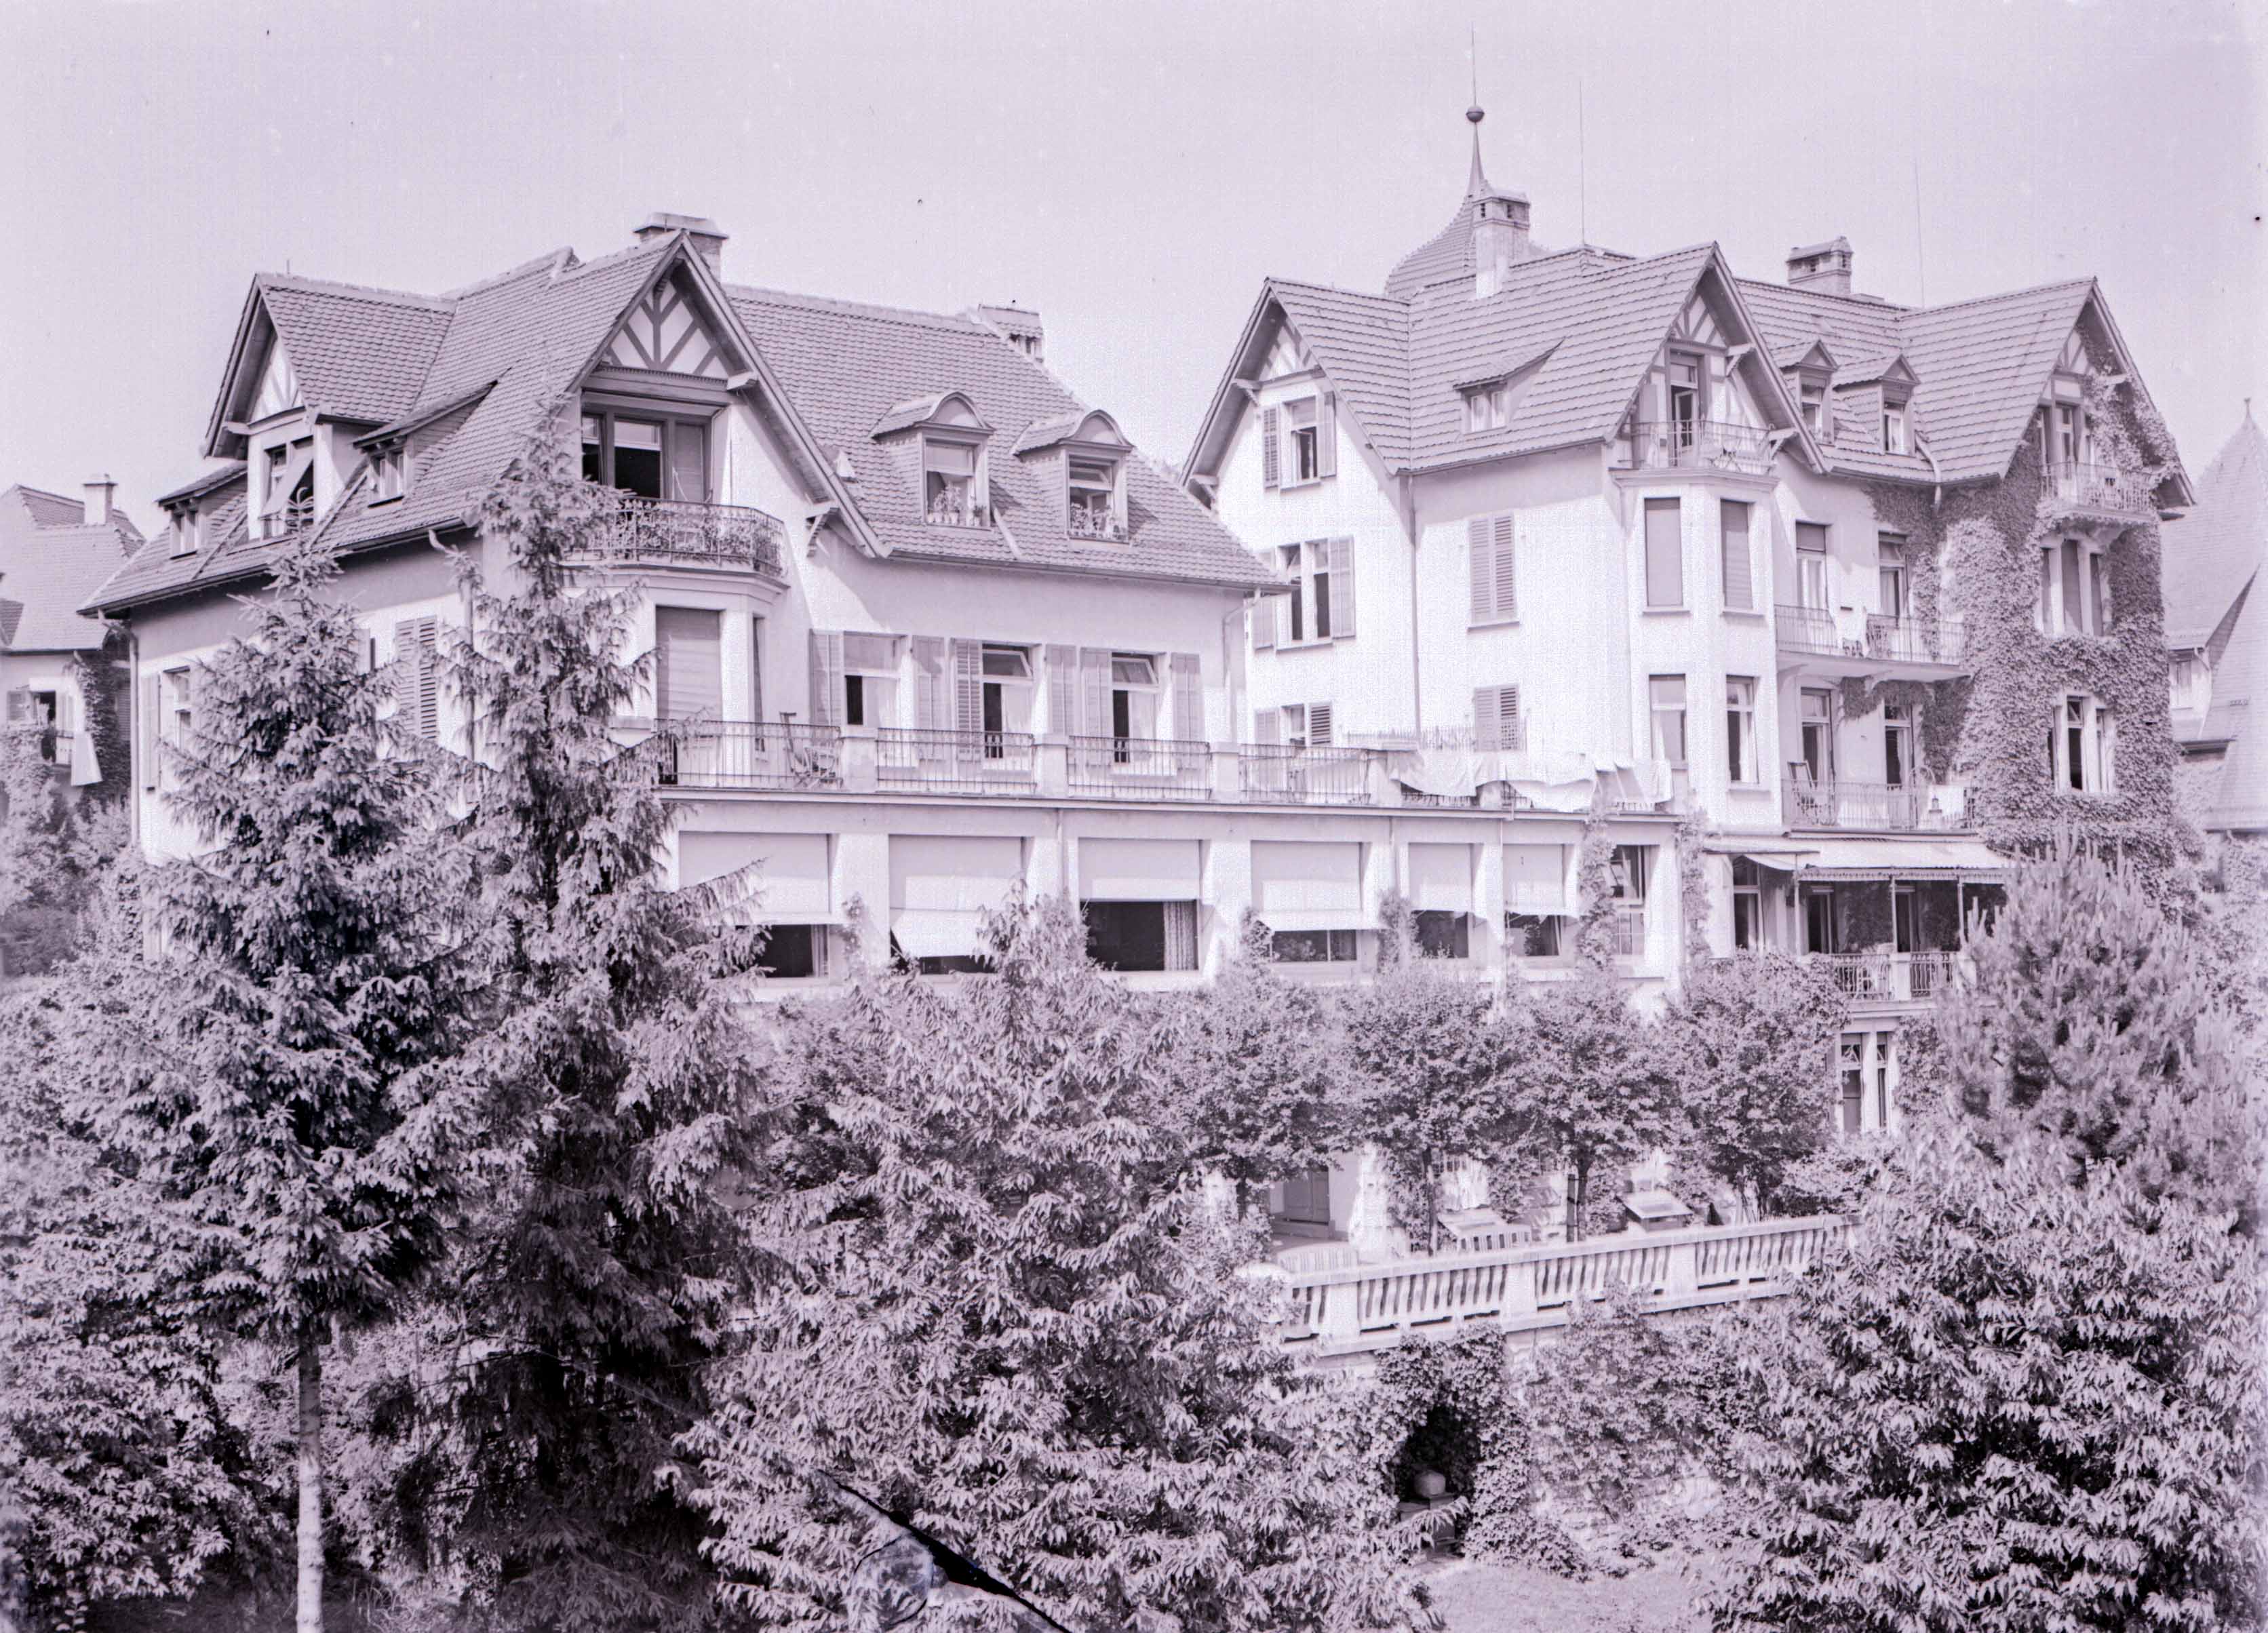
1350 1308
1696 444
956 762
744 753
2089 485
1891 977
1876 807
1137 767
682 532
1283 774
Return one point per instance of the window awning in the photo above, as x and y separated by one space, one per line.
1307 884
936 932
1139 869
1865 859
1769 849
942 883
1535 879
789 883
1441 878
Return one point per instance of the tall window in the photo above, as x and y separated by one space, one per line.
1687 393
1320 607
1812 400
288 490
1627 883
1741 728
1811 565
1891 573
689 658
2074 589
1897 744
1748 906
1894 427
1004 698
1133 699
1664 553
1739 565
1094 499
2081 747
1307 450
1852 1055
1667 696
870 680
1817 725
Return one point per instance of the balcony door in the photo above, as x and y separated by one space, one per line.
1818 726
1688 386
651 454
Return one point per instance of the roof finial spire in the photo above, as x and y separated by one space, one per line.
1475 183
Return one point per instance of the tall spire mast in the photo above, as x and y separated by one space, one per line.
1476 182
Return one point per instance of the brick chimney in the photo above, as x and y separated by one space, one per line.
708 239
1823 267
100 490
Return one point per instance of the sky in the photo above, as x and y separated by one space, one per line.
1130 171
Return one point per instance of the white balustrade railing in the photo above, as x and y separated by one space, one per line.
1339 1308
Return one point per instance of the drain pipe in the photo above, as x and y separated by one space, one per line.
1936 475
1416 684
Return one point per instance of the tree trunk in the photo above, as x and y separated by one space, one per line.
1578 1202
311 1487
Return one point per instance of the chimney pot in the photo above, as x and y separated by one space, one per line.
1823 267
100 490
706 237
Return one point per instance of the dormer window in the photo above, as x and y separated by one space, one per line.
949 496
1094 507
388 474
1894 427
185 530
288 487
1487 408
1811 398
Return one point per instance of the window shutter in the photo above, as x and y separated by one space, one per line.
1340 555
1272 451
1485 718
1503 567
1063 689
1267 727
827 677
1740 572
1511 730
756 670
19 705
1263 617
967 685
1189 701
1094 691
688 663
1327 438
1319 726
1480 571
416 679
933 702
1665 554
66 711
147 737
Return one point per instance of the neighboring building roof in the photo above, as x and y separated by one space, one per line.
2240 713
2211 553
51 560
467 377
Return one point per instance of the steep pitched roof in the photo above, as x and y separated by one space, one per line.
50 560
2211 553
844 366
361 354
2240 713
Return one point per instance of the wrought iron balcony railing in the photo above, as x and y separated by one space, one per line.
1870 805
2089 485
1138 767
957 762
1817 631
680 531
1281 774
748 754
1696 444
1891 977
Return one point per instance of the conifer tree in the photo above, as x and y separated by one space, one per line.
600 1275
1589 1085
278 1067
1002 1317
2090 1015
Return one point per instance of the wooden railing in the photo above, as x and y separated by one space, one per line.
1351 1308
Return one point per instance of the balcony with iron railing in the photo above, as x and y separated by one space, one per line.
743 754
1284 773
1862 643
1696 445
1874 807
957 762
2089 487
1140 767
680 533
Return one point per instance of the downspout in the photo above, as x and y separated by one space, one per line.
1410 527
1936 473
138 776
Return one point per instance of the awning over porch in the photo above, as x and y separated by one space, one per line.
1834 859
1769 849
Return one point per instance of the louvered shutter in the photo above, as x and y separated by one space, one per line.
1189 701
1485 718
1272 451
1267 727
967 685
147 735
827 677
1094 691
1063 689
1263 613
1511 730
66 711
1504 569
1340 555
1327 438
1480 570
416 682
19 706
1319 726
1739 572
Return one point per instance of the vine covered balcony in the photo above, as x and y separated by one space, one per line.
1696 444
682 532
2091 486
1861 643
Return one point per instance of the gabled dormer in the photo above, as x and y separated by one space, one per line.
1809 371
1878 396
1082 457
190 508
953 442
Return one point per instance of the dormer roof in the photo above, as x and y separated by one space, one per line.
950 408
1888 369
1809 354
1091 428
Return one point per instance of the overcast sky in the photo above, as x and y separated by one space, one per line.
1131 171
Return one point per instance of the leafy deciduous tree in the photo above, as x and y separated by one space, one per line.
1589 1083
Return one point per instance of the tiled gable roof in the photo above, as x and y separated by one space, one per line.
2240 712
2213 553
844 365
360 354
50 560
1362 341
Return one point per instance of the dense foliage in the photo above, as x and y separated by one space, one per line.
1590 1085
999 1314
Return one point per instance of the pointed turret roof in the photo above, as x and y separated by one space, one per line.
1448 253
2212 553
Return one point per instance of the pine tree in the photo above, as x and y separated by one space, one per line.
2091 1016
1001 1317
279 1069
1748 1047
1589 1085
2015 1403
600 1275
